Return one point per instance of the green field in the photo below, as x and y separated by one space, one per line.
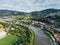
9 40
27 16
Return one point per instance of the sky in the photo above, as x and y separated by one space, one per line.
29 5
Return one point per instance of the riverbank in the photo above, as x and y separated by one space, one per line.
33 37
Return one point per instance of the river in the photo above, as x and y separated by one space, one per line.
41 38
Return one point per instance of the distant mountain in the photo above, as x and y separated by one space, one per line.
45 12
10 12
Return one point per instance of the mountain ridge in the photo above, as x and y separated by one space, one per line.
44 12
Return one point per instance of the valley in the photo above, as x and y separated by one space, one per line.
34 28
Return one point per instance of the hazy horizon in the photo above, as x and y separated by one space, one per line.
29 5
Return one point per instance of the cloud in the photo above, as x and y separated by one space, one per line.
29 5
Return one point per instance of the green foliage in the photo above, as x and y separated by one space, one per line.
5 25
26 16
24 33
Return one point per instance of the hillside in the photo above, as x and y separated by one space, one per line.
49 16
10 13
45 12
42 12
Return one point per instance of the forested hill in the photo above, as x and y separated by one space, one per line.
10 12
45 12
49 16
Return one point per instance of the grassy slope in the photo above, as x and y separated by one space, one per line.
8 40
33 37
